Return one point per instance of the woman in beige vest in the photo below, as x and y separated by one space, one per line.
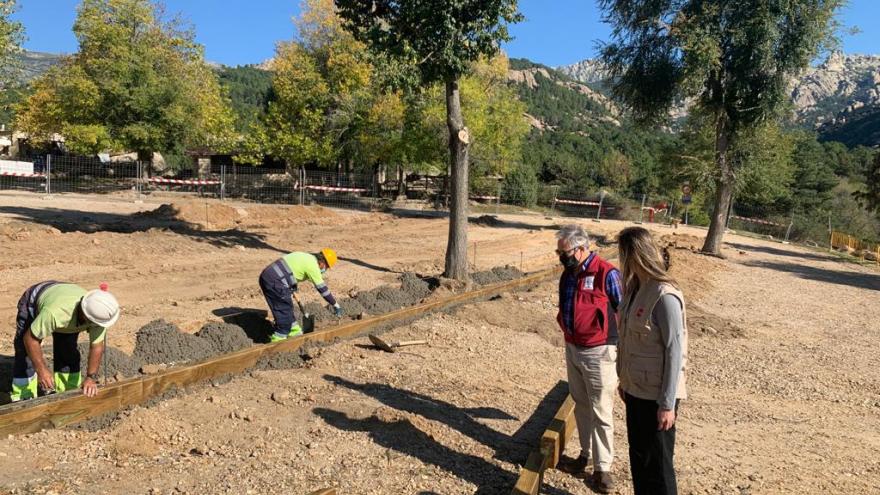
652 354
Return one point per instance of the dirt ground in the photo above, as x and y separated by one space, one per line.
784 386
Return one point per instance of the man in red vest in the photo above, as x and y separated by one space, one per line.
589 294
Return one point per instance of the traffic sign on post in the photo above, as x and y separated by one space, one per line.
686 193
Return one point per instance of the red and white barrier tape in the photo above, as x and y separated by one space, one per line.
756 220
336 189
491 198
573 202
160 180
21 174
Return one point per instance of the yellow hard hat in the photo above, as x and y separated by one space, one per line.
329 257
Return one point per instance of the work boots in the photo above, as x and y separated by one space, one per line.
576 467
602 482
295 331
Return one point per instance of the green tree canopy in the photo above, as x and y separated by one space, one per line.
325 85
11 37
442 39
494 115
871 194
733 58
137 83
250 91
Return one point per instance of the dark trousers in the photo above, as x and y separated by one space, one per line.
66 357
650 451
278 292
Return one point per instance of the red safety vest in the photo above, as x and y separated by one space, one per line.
595 321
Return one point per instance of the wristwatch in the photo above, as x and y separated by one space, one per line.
93 376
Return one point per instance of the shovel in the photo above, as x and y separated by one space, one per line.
390 347
308 320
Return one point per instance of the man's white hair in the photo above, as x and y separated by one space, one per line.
573 236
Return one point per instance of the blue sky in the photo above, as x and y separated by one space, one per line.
235 32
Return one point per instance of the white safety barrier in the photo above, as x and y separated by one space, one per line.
574 202
20 174
193 182
757 220
336 189
16 168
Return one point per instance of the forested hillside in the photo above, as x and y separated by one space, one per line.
578 139
249 90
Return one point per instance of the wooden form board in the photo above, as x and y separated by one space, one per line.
63 409
551 447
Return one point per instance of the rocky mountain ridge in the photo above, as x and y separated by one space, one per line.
825 97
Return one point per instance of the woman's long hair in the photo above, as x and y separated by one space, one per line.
639 254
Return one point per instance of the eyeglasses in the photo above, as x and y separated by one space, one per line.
567 251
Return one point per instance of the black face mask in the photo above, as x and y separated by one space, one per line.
568 262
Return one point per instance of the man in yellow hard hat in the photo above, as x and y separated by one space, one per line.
279 282
62 311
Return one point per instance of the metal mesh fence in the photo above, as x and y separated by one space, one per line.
301 187
90 175
133 180
755 221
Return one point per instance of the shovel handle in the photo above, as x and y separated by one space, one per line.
300 304
410 342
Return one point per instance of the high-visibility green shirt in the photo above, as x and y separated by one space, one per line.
57 312
304 266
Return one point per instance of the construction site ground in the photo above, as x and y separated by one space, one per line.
783 377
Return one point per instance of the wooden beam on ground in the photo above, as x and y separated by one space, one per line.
71 407
558 432
551 447
531 475
325 491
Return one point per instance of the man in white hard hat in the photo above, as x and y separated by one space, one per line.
63 311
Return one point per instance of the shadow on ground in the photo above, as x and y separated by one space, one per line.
860 280
780 252
510 448
484 220
253 321
5 378
370 266
405 438
91 222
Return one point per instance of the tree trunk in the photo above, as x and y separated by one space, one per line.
401 181
724 183
146 159
456 246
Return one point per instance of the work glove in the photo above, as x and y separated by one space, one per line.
337 310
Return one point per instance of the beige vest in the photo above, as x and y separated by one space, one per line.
640 353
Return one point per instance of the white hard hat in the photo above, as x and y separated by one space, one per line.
100 307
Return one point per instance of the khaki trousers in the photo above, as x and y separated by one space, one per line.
592 383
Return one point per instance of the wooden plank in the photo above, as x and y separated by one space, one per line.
531 475
71 407
75 407
558 432
551 447
325 491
